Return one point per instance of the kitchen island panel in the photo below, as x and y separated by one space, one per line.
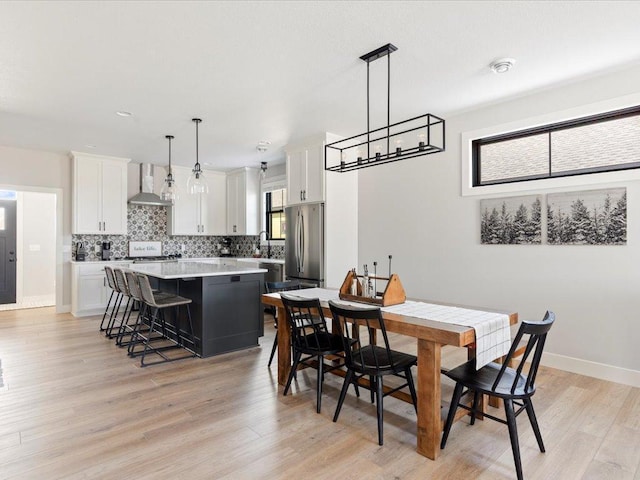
226 310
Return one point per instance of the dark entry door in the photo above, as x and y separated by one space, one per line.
7 251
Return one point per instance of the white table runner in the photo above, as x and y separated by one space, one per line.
493 332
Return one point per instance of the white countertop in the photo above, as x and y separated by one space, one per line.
186 259
186 269
261 260
106 262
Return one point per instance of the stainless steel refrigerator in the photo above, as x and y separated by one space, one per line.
304 245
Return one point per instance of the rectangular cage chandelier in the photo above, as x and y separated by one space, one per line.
418 136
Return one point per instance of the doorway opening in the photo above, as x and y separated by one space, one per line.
30 279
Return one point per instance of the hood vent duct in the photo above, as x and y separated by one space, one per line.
146 195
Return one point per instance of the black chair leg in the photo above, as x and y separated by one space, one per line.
343 393
380 396
355 387
147 345
372 386
106 310
114 316
126 325
135 333
296 360
412 388
534 422
513 435
319 385
477 396
273 349
455 400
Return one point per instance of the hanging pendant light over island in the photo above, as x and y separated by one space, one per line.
196 183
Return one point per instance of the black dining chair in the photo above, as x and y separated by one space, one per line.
311 337
273 287
515 386
369 359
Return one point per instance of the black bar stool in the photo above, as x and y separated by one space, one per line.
154 306
111 282
123 289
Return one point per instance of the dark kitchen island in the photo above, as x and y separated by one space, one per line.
226 311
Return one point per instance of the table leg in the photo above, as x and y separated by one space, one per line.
429 397
284 347
484 399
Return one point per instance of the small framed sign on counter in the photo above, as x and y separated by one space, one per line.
145 249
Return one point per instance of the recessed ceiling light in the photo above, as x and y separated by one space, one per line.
122 113
263 145
502 65
90 146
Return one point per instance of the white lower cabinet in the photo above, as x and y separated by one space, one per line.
89 289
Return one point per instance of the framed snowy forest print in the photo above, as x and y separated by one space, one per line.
513 220
592 217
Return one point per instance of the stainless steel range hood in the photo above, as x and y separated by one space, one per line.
146 195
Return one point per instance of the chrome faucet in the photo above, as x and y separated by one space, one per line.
266 236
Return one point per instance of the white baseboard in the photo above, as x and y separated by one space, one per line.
592 369
63 308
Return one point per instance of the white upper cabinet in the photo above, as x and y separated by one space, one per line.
243 202
99 194
201 214
305 174
213 208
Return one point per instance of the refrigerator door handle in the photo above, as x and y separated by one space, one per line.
302 242
297 237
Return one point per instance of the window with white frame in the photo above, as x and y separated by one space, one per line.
599 143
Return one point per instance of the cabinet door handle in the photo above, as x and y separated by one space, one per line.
300 194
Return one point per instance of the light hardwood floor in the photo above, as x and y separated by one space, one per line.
74 406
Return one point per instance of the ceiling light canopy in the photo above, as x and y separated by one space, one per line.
197 183
418 136
502 65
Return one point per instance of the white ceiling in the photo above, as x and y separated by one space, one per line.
277 70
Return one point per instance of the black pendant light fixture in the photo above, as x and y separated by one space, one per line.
197 183
168 192
418 136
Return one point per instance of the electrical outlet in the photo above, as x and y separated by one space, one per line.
98 248
183 247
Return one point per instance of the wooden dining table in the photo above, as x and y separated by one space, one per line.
430 335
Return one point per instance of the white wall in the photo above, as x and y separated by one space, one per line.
414 210
37 222
40 171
